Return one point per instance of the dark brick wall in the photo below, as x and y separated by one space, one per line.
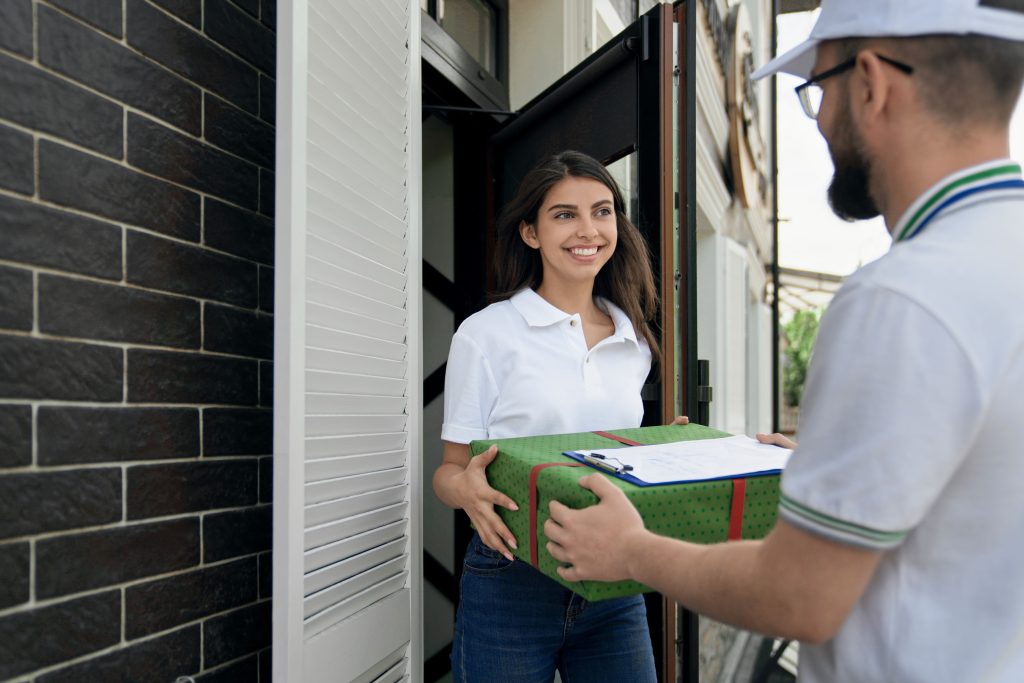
136 339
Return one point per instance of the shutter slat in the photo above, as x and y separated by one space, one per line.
333 615
372 117
328 295
334 340
374 289
327 219
353 444
387 48
323 381
345 487
332 210
384 671
354 404
333 361
342 591
375 194
328 127
342 571
395 674
364 531
377 93
328 425
323 535
342 321
341 257
319 516
364 212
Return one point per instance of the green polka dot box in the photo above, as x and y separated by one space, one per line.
700 512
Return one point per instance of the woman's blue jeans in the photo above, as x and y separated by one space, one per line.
515 625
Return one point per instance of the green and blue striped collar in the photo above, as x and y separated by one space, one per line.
1003 174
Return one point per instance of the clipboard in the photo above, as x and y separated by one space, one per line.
696 461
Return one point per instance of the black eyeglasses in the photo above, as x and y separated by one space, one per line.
810 93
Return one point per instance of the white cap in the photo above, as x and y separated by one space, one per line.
895 18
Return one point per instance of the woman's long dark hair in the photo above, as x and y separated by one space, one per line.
626 280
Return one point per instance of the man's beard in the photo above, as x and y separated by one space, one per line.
849 193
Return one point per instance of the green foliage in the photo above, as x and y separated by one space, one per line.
800 333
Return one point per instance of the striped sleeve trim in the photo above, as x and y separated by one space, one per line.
837 529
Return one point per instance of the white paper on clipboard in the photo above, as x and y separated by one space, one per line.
702 460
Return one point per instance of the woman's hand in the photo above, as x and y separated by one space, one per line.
776 439
461 482
680 420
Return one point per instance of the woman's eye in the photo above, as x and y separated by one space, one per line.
604 211
563 215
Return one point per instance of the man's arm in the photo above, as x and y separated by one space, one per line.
791 584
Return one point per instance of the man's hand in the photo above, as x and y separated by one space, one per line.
596 541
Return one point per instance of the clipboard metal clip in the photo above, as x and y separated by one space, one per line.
606 463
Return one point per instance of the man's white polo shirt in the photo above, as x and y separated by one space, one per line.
910 442
521 367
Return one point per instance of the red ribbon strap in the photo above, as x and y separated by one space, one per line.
533 504
620 439
739 491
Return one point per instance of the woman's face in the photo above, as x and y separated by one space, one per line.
575 232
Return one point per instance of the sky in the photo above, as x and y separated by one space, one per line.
810 236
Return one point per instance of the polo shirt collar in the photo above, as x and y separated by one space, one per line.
538 312
980 180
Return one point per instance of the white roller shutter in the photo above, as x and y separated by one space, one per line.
347 349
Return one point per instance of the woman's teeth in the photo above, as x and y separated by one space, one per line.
584 251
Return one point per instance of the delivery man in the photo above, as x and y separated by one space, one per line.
899 548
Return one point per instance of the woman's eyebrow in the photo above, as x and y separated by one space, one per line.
573 207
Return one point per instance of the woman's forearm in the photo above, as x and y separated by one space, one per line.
446 484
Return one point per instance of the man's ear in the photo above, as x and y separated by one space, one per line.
871 86
529 234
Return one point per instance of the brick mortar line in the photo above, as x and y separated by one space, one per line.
201 33
126 346
49 602
69 274
130 108
35 166
139 228
70 403
124 257
32 574
35 303
124 616
35 436
125 164
113 526
49 270
112 649
124 464
35 31
64 78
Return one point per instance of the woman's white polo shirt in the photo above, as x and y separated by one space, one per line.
521 367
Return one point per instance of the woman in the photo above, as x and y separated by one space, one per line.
567 348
